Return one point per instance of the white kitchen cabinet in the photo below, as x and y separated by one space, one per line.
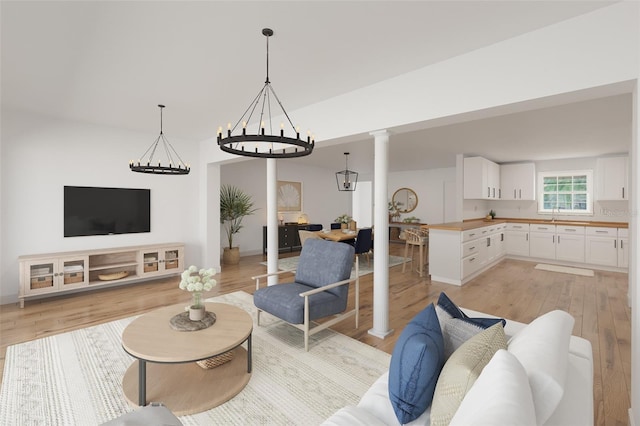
570 242
517 239
542 241
561 242
623 247
481 179
455 257
612 177
601 246
518 181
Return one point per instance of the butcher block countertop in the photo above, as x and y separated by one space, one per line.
479 223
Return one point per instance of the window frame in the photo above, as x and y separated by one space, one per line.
566 173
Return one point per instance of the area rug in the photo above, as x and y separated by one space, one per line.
75 378
291 263
565 269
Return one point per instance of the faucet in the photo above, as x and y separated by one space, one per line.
553 214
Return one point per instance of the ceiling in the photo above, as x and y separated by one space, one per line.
111 63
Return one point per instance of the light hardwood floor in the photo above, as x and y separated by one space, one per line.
512 289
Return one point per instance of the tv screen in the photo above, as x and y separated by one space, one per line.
104 211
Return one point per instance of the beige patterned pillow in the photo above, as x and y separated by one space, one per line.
462 370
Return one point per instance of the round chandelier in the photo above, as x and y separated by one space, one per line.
149 165
265 143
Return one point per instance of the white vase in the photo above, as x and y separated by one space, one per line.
196 314
196 310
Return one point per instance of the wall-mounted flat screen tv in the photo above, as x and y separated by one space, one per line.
105 211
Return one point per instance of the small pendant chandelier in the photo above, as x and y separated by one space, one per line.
346 179
148 165
264 143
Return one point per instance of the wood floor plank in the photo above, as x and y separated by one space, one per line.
512 289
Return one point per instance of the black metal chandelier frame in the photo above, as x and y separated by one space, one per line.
149 166
346 179
262 144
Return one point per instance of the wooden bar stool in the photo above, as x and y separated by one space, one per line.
417 237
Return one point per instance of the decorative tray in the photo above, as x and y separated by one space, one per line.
113 276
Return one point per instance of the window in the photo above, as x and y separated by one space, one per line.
565 192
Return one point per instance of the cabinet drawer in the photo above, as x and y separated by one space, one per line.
542 228
517 227
623 232
471 264
470 247
575 230
602 232
472 234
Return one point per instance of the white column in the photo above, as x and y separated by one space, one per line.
381 238
634 267
272 220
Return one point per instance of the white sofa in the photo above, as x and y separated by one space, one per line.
575 406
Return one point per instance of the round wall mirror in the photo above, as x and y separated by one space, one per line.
405 199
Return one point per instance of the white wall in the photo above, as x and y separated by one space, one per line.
321 200
41 155
429 186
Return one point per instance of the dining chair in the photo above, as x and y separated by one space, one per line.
320 289
416 237
363 243
305 235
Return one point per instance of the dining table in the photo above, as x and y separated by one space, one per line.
337 234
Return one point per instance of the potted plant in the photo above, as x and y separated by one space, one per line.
196 281
343 220
235 204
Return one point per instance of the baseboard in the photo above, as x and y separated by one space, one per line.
8 299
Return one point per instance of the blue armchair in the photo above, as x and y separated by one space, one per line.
320 289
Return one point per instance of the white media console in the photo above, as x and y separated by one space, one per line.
55 273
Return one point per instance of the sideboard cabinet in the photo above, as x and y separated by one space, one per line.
55 273
288 237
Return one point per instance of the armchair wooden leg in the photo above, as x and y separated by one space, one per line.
406 252
306 324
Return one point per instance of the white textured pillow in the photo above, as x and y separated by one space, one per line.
461 370
500 396
542 348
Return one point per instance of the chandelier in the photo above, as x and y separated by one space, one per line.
346 179
264 143
148 164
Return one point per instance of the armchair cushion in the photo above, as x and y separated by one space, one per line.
284 301
325 262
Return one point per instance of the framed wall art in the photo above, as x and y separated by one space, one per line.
289 196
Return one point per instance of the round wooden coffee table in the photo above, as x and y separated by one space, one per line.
166 371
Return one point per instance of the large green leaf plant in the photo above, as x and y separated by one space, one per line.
235 204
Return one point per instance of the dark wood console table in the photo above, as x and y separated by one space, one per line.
288 237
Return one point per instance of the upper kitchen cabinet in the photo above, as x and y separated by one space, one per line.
481 179
612 177
518 181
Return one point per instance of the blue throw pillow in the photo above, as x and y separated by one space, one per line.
417 359
457 327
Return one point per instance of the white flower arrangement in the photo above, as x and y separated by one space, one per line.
198 280
343 218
